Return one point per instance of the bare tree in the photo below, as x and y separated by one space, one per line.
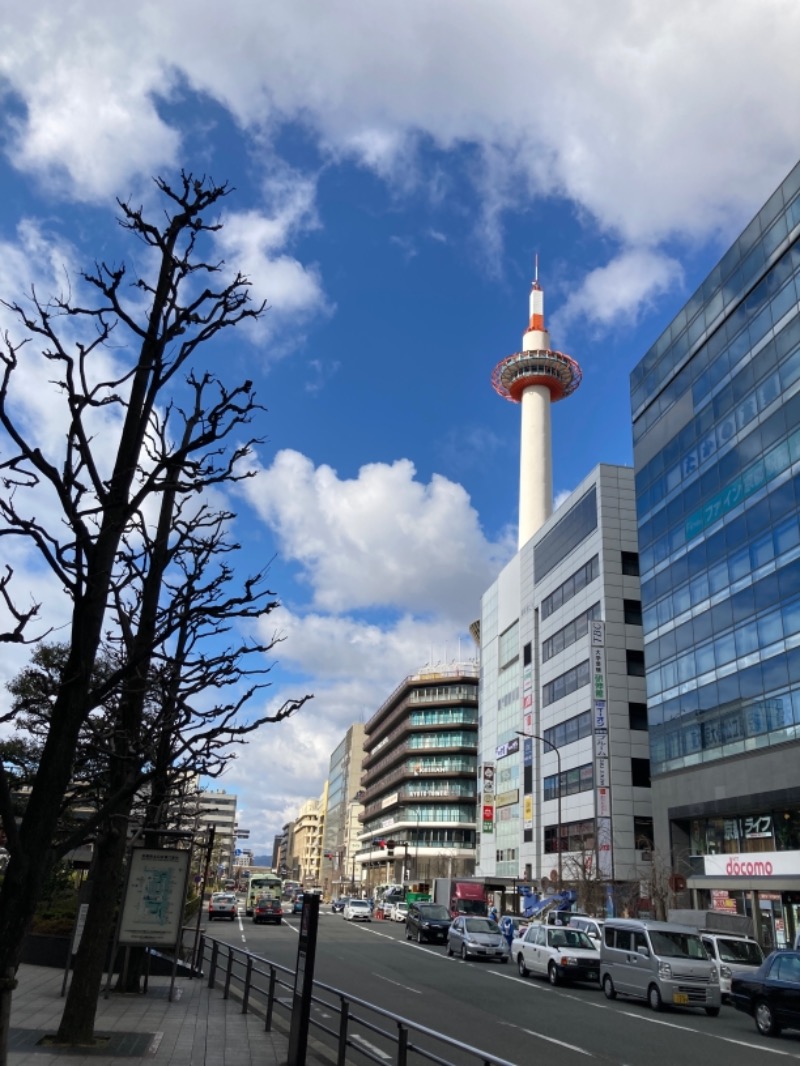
101 547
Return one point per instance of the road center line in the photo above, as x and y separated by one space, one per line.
397 984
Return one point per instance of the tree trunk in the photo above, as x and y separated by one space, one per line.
80 1007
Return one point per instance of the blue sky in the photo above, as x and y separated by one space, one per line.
396 168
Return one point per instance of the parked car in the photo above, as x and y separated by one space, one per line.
732 953
771 994
223 905
297 905
471 936
399 911
267 910
558 953
357 910
593 927
427 921
662 962
338 905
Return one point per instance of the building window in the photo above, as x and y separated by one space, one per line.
630 563
640 773
637 715
635 662
633 612
571 633
569 682
571 587
643 833
570 730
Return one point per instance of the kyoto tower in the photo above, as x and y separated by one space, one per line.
535 377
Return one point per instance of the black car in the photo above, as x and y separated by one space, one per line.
770 994
337 905
427 921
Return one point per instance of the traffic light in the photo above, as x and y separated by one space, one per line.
390 848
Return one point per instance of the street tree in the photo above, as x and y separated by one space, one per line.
145 429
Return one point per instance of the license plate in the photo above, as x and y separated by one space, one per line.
680 997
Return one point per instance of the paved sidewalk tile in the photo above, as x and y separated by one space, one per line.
196 1028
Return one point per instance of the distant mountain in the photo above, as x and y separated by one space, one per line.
262 860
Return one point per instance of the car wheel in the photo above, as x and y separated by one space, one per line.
523 969
654 998
765 1019
608 987
712 1012
552 974
464 952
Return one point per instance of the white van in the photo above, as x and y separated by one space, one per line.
732 954
593 927
663 963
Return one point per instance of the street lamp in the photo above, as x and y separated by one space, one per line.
542 740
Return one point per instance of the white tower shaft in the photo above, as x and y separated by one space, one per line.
535 462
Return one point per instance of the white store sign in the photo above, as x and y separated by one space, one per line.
755 864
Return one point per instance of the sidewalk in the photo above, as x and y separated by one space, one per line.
196 1028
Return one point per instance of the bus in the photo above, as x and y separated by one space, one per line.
291 889
261 885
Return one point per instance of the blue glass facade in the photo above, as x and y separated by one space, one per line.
716 415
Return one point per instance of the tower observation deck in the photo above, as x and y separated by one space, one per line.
535 377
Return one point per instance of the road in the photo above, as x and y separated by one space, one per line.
489 1006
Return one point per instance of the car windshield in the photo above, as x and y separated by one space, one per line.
674 945
358 903
740 952
569 938
481 925
434 910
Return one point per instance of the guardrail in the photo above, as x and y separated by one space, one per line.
348 1023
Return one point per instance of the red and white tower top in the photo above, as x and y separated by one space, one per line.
535 377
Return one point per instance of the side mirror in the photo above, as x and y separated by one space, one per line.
643 951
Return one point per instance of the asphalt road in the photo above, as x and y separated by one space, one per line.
489 1006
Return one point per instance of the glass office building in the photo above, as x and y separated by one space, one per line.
716 422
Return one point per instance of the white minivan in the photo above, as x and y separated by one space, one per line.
663 963
732 954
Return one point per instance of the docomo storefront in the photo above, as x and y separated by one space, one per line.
765 885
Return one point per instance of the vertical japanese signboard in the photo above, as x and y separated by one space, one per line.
602 760
488 797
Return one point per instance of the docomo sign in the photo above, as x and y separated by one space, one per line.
757 864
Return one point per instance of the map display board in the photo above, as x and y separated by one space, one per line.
154 897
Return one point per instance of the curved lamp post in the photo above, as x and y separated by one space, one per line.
542 740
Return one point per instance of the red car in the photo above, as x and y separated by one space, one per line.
267 910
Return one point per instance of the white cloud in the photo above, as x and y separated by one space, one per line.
653 122
619 291
380 539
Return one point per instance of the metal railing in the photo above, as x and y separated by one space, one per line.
341 1021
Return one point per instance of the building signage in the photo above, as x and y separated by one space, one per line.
527 812
505 799
602 773
601 744
598 631
604 802
488 779
753 864
605 864
488 818
600 715
599 674
510 748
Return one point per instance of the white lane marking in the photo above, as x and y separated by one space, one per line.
740 1042
560 1043
371 1047
406 988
